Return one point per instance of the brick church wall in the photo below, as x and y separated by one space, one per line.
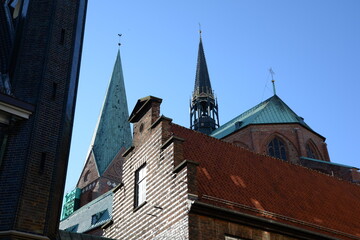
257 137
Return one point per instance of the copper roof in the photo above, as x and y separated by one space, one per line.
271 111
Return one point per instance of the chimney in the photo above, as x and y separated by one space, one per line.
145 113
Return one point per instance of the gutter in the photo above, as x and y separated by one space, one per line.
209 210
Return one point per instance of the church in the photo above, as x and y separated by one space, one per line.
265 174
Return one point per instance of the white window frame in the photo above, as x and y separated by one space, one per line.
140 186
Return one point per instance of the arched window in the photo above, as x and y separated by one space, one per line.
311 152
276 148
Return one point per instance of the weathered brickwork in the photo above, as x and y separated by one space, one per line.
257 137
92 185
32 175
164 215
207 228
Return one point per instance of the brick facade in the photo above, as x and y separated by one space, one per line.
257 137
164 214
33 170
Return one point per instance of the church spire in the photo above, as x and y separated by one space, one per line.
203 106
113 129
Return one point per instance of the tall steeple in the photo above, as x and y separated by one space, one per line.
113 129
203 105
112 136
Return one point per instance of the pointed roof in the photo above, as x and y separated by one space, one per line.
113 129
202 80
271 111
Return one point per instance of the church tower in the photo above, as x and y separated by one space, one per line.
203 105
112 136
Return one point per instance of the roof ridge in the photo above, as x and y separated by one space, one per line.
260 154
224 143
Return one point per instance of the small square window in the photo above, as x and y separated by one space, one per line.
140 186
97 217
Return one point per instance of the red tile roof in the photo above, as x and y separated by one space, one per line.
235 178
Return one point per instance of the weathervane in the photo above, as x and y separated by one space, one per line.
272 80
119 34
200 29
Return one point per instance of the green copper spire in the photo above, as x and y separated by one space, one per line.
113 129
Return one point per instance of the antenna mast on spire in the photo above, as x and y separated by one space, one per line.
272 80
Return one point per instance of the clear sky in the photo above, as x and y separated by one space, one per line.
313 46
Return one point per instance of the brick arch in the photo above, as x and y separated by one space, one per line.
312 145
292 153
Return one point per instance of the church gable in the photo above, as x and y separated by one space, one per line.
114 170
90 172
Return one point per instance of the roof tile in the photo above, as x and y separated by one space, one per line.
235 178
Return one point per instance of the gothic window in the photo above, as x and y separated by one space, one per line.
276 148
311 152
140 186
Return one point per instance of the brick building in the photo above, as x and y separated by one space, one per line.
182 184
40 52
263 175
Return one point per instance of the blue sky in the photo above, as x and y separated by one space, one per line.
313 46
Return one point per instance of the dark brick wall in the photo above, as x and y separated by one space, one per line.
33 172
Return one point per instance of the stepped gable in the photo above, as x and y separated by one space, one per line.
271 111
234 178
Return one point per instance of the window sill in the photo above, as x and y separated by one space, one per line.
140 206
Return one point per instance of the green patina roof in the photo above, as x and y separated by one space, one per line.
113 129
270 111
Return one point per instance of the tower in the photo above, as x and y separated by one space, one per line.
40 46
203 105
112 136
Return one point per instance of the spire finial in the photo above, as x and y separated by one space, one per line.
119 43
272 80
200 30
